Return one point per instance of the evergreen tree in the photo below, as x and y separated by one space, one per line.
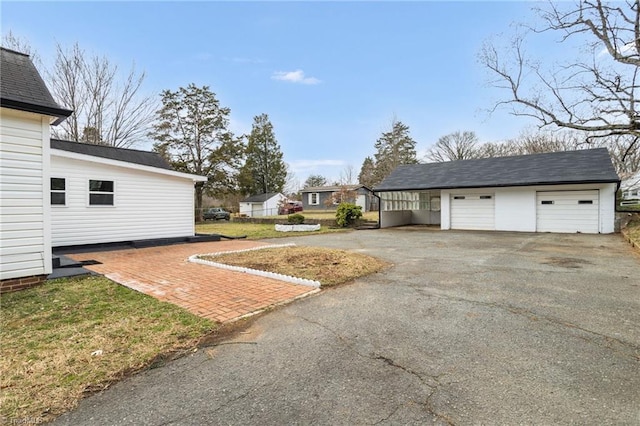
264 170
367 173
315 180
191 130
393 148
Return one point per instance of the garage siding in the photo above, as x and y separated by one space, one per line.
516 209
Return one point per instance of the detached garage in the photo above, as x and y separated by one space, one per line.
570 191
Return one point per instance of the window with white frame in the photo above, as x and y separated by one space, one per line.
58 192
314 198
101 192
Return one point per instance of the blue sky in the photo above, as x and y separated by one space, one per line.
330 75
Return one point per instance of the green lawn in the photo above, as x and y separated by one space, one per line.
69 337
254 231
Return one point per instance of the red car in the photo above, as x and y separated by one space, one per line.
290 207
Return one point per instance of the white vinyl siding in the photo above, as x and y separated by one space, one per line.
24 205
149 205
568 211
473 211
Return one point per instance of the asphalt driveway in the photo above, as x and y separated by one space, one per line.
466 328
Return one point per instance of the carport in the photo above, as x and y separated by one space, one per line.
570 192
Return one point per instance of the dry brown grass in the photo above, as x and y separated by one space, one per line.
633 230
50 335
329 266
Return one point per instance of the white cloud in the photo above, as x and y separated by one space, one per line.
296 76
244 60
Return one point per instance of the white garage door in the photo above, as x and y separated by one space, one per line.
473 211
567 211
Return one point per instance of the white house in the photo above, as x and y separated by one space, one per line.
27 110
58 193
630 188
101 194
572 191
262 204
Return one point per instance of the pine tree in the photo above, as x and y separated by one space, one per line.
392 149
264 170
367 173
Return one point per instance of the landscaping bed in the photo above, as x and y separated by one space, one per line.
329 266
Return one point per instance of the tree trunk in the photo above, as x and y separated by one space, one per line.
199 190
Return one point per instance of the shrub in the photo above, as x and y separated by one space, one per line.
347 214
295 219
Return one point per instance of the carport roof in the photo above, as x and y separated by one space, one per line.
554 168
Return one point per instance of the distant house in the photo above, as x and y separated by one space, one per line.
262 204
571 191
630 187
58 193
328 197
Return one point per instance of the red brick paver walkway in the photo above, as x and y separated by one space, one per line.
166 274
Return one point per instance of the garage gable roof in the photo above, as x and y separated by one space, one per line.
583 166
22 87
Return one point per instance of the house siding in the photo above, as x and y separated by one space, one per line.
257 209
515 207
25 248
362 200
147 205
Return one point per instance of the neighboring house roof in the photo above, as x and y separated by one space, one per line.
333 188
22 87
121 157
567 167
145 158
261 198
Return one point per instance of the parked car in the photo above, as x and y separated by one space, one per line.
290 207
216 213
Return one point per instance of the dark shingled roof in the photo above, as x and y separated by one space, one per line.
260 198
567 167
332 188
134 156
22 88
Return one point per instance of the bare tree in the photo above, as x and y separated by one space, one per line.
17 43
108 109
291 184
595 93
454 146
347 176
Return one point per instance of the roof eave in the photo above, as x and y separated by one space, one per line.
125 164
502 185
60 113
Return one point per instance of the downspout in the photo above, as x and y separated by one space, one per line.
379 210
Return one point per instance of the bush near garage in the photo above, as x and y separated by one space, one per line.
347 214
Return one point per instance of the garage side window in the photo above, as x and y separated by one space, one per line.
101 192
58 192
314 199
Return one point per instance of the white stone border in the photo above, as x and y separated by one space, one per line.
294 280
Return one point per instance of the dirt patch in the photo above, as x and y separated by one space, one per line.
566 262
329 266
